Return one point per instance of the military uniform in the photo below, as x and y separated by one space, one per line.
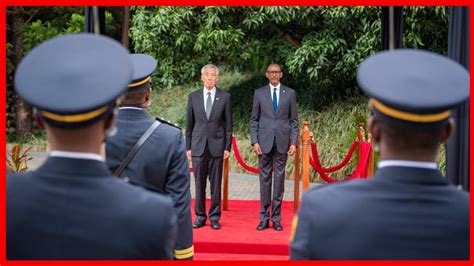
160 164
72 207
408 210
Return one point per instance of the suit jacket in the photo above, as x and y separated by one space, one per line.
75 209
403 213
265 125
160 164
215 132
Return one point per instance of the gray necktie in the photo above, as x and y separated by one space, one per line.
208 105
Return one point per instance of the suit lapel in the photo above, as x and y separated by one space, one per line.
200 103
268 96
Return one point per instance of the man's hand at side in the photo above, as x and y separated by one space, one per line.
256 149
291 150
226 154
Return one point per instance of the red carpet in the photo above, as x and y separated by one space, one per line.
238 238
227 256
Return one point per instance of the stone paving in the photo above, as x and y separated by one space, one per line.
241 186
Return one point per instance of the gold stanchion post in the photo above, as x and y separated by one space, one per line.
360 138
296 196
371 159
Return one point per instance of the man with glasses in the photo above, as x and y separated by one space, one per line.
274 133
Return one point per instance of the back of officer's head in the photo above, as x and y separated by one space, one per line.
73 82
138 93
412 95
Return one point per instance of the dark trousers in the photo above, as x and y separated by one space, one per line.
266 161
204 166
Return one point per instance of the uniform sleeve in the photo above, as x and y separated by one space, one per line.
177 186
170 236
300 247
160 231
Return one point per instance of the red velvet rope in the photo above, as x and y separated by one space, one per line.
323 175
346 159
359 171
239 158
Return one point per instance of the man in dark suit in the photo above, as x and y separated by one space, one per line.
208 142
72 207
274 134
160 164
408 210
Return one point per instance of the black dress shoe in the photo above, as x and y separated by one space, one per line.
215 225
199 224
277 226
262 225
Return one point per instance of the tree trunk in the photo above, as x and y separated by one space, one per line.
125 25
23 113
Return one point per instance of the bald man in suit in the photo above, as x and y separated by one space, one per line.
274 134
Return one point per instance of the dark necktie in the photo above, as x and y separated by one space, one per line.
208 105
275 104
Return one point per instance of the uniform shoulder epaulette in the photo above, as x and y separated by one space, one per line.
162 120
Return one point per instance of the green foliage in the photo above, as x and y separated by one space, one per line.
36 32
18 158
40 24
168 34
9 92
38 140
318 47
426 28
68 21
170 104
346 37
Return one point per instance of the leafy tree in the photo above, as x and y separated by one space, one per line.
427 28
319 48
26 28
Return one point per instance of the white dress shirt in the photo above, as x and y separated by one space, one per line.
77 155
130 108
416 164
